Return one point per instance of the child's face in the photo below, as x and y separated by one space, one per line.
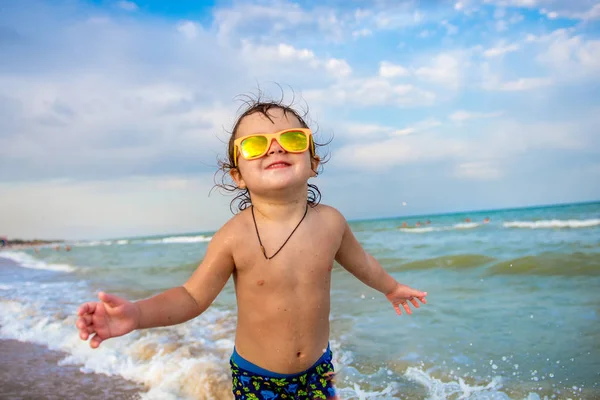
277 169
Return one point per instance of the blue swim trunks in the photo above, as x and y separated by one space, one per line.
251 382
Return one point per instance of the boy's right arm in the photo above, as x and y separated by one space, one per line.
113 316
183 303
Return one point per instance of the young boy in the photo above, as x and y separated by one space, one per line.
280 250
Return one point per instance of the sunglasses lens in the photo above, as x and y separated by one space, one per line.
294 141
254 146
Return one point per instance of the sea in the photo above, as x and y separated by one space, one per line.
513 309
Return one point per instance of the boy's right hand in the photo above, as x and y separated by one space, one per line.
112 316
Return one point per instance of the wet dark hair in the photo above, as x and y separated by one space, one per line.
252 104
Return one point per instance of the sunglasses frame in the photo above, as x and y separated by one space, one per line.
237 144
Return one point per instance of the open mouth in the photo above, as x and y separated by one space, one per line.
278 164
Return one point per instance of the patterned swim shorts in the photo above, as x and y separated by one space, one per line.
251 382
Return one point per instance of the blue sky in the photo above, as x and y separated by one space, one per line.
113 113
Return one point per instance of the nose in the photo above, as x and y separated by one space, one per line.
275 147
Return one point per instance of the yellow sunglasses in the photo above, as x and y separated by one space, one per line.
251 147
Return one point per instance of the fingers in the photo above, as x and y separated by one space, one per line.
110 299
87 308
414 302
85 327
397 308
95 342
406 307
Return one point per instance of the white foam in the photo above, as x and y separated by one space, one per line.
466 225
27 261
440 390
181 239
554 223
420 230
94 243
179 362
426 229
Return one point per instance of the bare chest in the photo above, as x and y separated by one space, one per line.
305 260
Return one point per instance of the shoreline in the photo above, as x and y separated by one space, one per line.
32 371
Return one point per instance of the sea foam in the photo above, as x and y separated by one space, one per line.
554 223
26 261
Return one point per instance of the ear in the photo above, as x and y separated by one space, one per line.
314 164
237 178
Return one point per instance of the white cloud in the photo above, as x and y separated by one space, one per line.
581 9
238 20
450 29
477 171
389 70
127 5
500 50
371 91
189 29
588 15
445 70
461 115
418 127
364 32
360 130
111 208
399 150
571 56
273 57
338 67
517 85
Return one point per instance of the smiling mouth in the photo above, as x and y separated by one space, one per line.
278 164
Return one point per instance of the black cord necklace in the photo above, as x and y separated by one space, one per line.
286 240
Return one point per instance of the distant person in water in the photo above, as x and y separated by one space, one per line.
467 219
404 225
428 222
280 249
67 248
486 220
418 224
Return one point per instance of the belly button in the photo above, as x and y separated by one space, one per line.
260 283
299 354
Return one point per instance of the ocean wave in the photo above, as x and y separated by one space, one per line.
425 229
183 361
181 239
455 261
178 362
553 264
554 223
26 261
438 389
94 243
166 240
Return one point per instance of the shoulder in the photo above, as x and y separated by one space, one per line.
231 232
330 215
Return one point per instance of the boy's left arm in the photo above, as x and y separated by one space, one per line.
365 267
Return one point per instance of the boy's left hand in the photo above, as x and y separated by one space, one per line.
402 294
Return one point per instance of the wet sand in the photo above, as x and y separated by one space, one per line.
30 371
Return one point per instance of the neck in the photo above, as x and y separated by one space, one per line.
280 209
